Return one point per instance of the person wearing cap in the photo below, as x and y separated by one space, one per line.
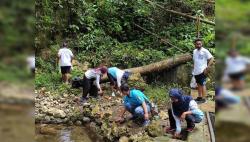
65 58
136 103
183 107
91 82
117 77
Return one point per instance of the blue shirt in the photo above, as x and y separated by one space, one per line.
135 98
112 71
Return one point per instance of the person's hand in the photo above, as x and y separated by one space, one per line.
119 119
177 135
183 116
146 116
100 92
206 71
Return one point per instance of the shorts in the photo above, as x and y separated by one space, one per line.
201 79
236 76
65 69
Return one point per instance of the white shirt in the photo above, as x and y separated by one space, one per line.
66 56
119 75
31 62
94 74
237 64
200 58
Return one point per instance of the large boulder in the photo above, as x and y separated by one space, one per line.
57 113
155 129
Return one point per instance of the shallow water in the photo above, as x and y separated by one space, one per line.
61 133
16 123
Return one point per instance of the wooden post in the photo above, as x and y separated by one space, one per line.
198 26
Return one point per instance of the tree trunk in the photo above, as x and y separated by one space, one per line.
162 65
159 66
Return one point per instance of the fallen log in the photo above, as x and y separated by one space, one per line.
158 66
162 65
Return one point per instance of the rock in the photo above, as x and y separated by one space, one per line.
85 119
56 113
70 123
48 131
155 129
65 95
124 139
163 115
47 118
78 123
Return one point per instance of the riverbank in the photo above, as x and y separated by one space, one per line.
98 115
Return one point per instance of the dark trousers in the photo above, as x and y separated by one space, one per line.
189 119
89 88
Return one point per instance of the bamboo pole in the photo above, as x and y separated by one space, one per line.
181 14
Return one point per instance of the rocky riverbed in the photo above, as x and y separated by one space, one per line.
98 115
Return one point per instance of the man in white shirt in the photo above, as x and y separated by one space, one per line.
203 61
236 67
65 58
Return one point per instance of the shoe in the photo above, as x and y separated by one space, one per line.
146 123
83 101
200 100
170 130
190 129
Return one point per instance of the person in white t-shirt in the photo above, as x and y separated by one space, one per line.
203 61
236 67
31 64
65 58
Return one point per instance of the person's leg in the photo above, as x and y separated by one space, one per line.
204 91
171 119
129 108
93 90
86 87
190 121
199 87
139 113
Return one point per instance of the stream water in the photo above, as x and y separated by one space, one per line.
17 125
61 133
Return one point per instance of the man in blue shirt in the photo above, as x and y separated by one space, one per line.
136 103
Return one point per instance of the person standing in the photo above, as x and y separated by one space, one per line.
65 58
203 61
236 67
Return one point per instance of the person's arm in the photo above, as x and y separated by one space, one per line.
193 106
121 115
72 57
122 112
98 77
210 62
144 106
119 79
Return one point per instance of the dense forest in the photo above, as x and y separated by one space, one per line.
16 38
118 33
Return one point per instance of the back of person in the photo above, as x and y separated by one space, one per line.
92 73
65 57
112 71
136 98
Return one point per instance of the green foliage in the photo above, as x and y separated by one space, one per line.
104 31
